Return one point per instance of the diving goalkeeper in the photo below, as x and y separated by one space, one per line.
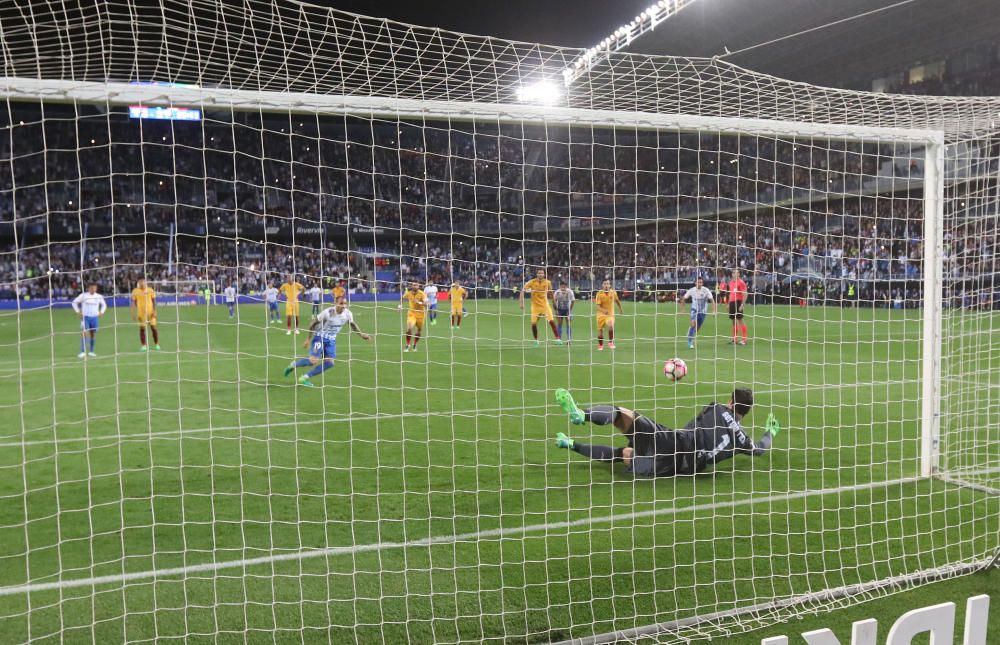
713 436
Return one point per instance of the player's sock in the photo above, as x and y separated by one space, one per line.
83 344
459 321
92 340
599 453
156 334
601 415
296 322
416 339
736 329
611 335
288 322
302 362
690 332
142 336
559 326
319 369
600 339
534 331
407 339
743 328
555 331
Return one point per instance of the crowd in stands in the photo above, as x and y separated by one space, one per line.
481 204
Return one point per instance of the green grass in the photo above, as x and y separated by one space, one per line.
203 453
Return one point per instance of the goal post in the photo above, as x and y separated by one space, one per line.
933 305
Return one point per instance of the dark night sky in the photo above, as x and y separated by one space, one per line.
572 23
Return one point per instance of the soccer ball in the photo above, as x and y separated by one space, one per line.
675 369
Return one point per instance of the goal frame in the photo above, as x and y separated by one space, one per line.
932 141
208 99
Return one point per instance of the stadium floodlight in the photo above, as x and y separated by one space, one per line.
623 36
539 93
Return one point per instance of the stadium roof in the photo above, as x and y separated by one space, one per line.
897 34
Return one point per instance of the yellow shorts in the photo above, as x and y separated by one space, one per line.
536 312
457 310
414 321
146 320
291 309
603 321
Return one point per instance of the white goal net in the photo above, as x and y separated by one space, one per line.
304 157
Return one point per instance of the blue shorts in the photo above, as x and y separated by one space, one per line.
273 306
700 318
434 305
89 323
562 313
323 347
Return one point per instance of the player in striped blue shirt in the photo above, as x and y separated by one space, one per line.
89 306
322 342
699 296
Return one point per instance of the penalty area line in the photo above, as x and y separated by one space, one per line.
546 528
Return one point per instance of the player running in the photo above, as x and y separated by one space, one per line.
737 298
292 290
143 308
89 306
564 300
541 293
271 298
431 291
229 295
316 298
606 299
457 295
713 436
415 313
323 338
700 296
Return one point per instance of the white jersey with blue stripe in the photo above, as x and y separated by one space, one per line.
700 297
90 304
330 322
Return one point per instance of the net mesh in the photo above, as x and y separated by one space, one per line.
195 492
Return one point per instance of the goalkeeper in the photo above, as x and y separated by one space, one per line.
713 436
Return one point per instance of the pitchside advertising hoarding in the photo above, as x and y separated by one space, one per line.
936 623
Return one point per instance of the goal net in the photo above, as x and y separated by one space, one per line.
416 493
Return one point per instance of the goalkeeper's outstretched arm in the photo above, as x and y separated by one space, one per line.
771 430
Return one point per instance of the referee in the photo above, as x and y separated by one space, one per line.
737 298
653 450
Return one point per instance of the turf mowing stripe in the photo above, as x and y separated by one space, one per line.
298 556
384 416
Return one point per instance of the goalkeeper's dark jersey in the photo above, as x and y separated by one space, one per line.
715 435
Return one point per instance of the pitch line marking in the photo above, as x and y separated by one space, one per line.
548 527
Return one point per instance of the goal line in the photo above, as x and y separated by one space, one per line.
298 556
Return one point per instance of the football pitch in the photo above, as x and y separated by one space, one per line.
196 493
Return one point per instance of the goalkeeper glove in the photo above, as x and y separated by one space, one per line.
772 425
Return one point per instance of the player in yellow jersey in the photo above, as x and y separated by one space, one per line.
143 307
457 295
415 313
338 291
292 290
541 295
606 299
